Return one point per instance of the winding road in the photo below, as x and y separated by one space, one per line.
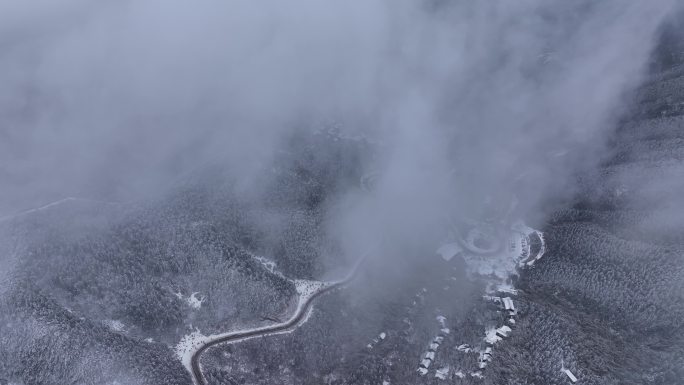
298 318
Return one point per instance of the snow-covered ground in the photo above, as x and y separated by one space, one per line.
187 347
306 288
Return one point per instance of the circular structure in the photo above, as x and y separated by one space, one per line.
481 239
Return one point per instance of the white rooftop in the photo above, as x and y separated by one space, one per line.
491 337
570 375
503 331
508 303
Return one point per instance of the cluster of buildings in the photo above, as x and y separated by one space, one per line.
377 340
495 334
494 255
429 355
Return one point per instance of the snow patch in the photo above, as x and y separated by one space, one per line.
195 302
449 251
115 325
192 300
267 263
187 347
306 289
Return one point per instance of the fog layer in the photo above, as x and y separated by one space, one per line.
473 102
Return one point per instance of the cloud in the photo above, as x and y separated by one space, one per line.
471 99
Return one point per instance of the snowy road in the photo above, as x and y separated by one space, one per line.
301 314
